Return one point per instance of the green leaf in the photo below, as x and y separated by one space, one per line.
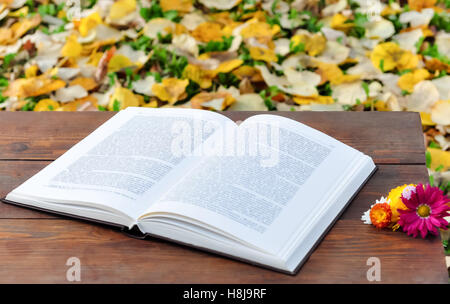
217 46
382 65
365 86
419 43
434 144
8 58
116 105
428 159
439 168
3 82
298 48
172 15
228 79
112 78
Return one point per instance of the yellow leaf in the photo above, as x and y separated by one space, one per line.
202 77
228 66
259 53
439 158
170 89
409 80
418 5
20 12
390 55
260 30
184 6
31 71
208 31
121 8
212 100
122 98
332 73
302 100
34 86
314 44
87 83
426 119
87 103
246 71
18 29
72 48
88 23
119 62
339 22
46 105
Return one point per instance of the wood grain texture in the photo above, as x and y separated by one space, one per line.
47 135
35 251
34 246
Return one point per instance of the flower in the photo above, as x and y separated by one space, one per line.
395 201
366 215
380 215
427 207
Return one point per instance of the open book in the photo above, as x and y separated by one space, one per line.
265 191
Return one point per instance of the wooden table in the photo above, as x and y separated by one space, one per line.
34 246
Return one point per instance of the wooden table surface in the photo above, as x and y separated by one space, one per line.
34 246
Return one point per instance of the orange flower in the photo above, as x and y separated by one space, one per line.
380 215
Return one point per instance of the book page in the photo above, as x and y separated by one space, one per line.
124 159
280 173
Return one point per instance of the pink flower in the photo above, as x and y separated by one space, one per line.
427 207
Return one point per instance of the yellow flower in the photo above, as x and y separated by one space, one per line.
121 8
388 56
264 54
46 105
409 80
395 201
170 89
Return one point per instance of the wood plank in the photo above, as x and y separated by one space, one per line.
394 137
13 173
36 251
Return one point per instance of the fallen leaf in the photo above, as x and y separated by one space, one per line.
170 89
